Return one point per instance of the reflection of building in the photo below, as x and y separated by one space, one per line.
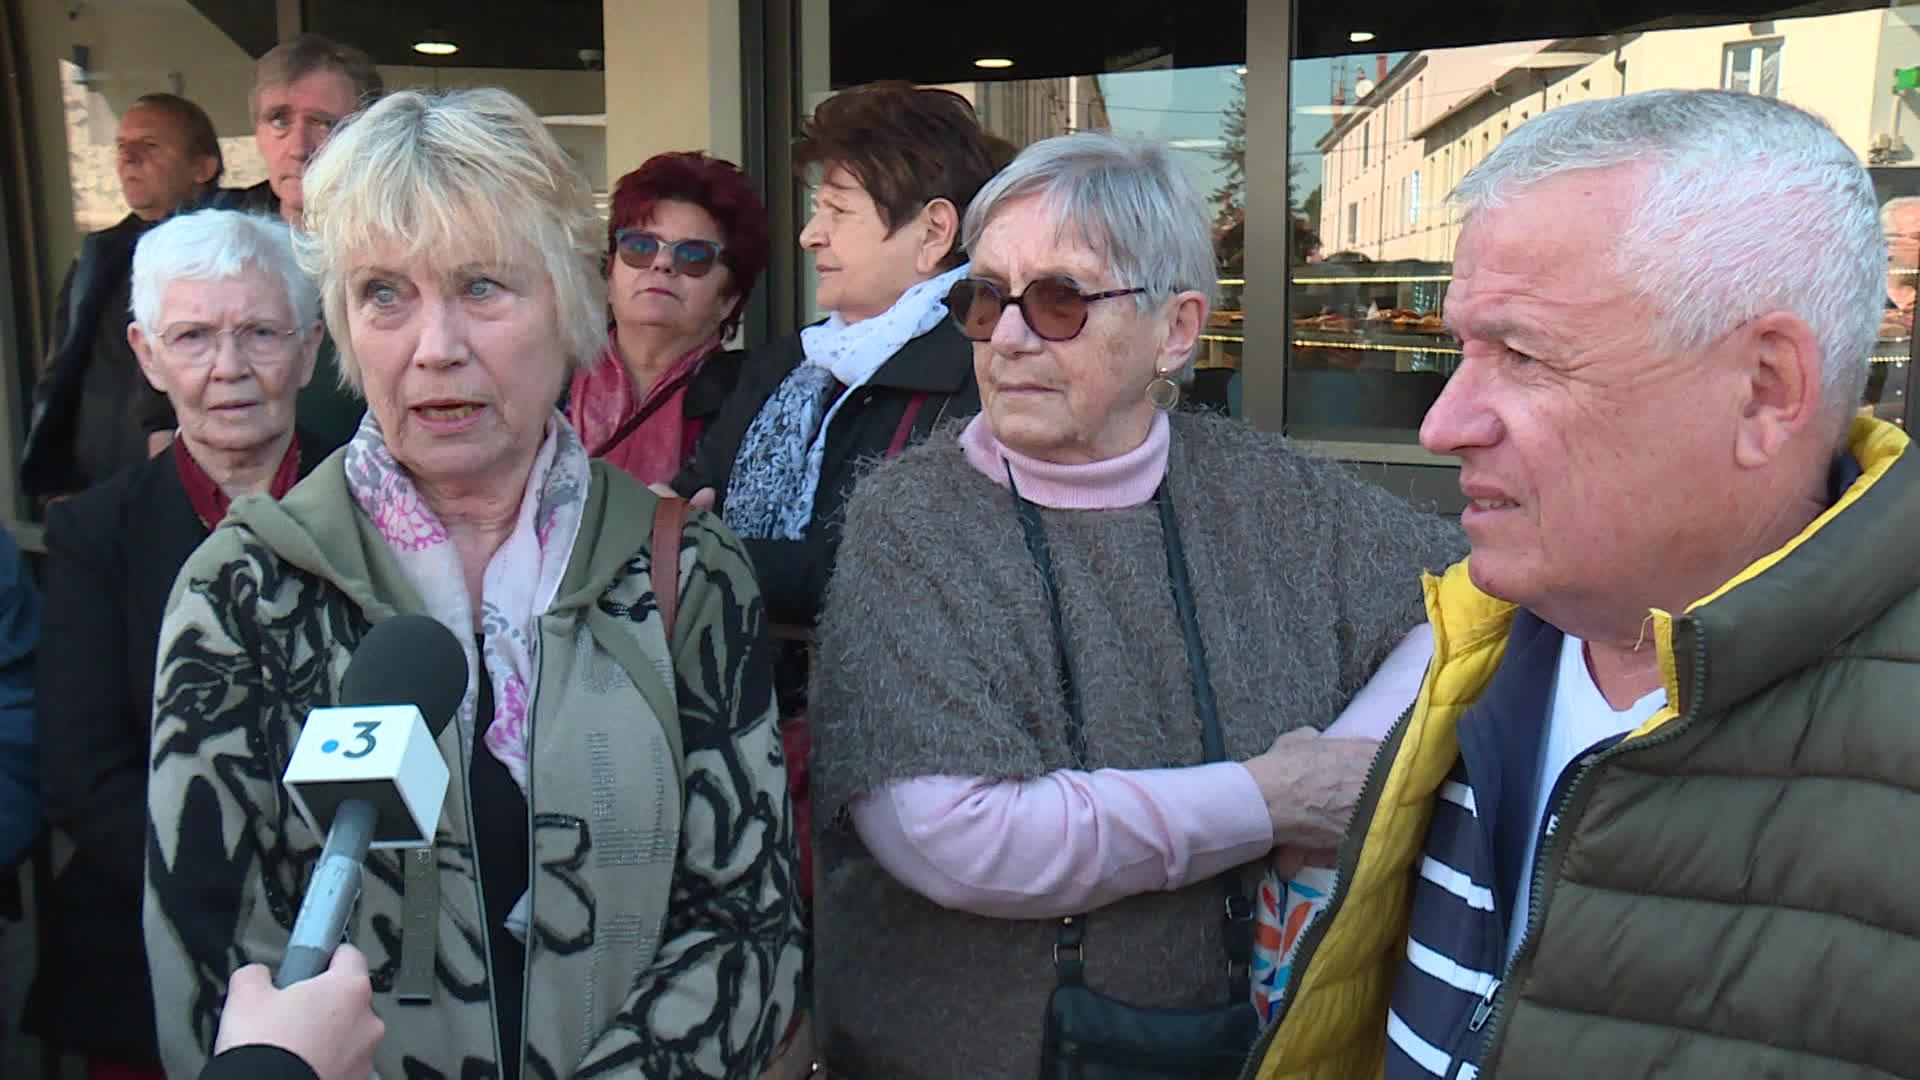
1372 165
1389 163
1024 112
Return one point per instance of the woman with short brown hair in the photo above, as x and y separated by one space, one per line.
896 167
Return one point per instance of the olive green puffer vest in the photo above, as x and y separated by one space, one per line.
1733 890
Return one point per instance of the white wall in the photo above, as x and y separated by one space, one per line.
672 80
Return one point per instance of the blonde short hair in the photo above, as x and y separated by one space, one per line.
424 172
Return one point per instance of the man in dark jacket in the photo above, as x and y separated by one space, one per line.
302 89
1646 816
93 413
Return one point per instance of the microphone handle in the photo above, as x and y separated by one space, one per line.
331 894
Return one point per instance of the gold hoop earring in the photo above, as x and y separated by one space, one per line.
1163 393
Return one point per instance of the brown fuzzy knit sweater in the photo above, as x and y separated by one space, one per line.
936 657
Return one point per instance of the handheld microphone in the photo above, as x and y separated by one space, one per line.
368 773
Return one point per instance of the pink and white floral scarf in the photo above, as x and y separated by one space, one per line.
520 583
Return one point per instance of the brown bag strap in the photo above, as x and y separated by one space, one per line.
669 521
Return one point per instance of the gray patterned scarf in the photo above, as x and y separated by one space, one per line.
776 474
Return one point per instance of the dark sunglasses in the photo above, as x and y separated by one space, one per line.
1053 306
694 258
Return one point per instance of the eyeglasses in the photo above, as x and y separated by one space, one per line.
694 258
198 343
1053 306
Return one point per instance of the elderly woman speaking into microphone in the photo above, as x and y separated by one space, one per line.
611 889
1073 660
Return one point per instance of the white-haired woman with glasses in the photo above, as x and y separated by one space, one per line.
611 886
1075 658
226 325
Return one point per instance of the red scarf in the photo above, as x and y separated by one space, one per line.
646 435
209 502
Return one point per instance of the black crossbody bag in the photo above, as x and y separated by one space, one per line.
1090 1036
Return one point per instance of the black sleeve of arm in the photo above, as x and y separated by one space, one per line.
760 373
92 751
793 576
56 333
151 409
258 1062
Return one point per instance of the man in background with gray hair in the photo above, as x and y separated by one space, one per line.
1646 815
302 89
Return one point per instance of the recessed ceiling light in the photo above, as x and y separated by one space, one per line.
1241 70
1360 37
993 63
433 43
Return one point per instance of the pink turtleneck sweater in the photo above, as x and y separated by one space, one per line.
1072 840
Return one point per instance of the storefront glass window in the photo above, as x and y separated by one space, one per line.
113 51
1199 111
1367 351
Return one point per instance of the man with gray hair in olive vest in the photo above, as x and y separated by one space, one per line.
1648 814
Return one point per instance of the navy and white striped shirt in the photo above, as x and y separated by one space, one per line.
1470 869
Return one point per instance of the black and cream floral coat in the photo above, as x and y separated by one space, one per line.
664 937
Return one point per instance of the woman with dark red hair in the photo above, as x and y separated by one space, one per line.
686 241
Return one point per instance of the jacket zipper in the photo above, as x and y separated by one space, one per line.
526 975
1344 867
469 744
1497 1006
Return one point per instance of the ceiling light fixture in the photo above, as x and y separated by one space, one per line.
993 63
435 42
1360 37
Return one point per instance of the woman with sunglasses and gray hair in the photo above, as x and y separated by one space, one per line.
1075 659
686 241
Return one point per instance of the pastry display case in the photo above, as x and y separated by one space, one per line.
1370 354
1368 351
1892 366
1890 376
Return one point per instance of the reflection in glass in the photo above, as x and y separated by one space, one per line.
1366 354
1201 114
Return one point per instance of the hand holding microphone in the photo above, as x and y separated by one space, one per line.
326 1021
368 771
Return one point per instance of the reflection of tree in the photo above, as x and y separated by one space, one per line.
1230 220
1306 240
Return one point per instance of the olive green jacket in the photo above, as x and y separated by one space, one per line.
664 937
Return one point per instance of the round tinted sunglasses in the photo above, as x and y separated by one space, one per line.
1053 306
694 258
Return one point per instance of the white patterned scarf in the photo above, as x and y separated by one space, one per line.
521 580
776 473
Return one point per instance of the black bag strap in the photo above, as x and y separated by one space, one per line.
1036 534
1237 930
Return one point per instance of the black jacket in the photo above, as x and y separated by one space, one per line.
93 407
112 554
935 370
257 1062
324 407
